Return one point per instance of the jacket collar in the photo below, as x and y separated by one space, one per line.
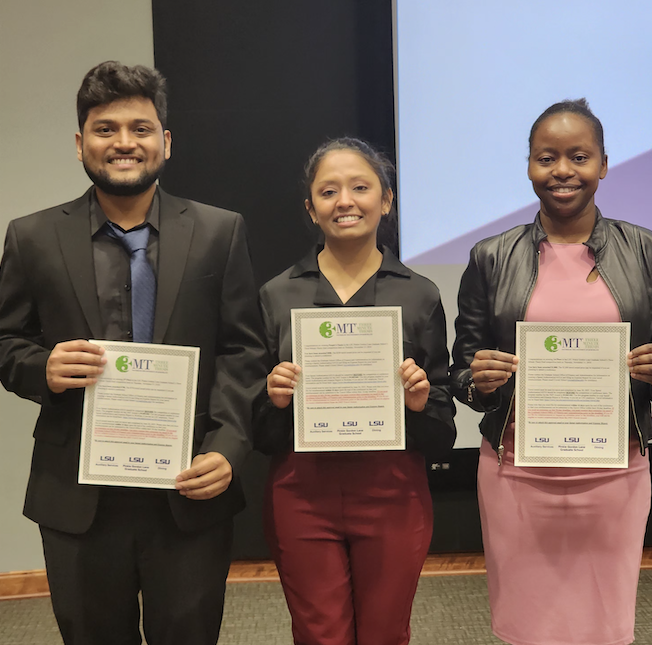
596 241
74 235
174 245
309 265
175 237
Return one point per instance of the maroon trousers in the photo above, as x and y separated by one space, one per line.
349 533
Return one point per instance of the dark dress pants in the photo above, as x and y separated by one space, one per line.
349 533
135 545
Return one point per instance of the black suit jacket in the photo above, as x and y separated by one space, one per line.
205 298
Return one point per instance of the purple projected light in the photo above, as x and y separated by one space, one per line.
624 194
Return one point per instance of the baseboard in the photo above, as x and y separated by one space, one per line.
16 585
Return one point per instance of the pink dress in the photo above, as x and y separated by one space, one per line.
563 545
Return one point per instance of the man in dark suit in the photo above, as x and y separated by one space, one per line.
65 277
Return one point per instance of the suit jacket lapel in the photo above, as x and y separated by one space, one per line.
174 246
74 234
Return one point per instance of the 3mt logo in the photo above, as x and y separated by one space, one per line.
122 364
326 329
551 343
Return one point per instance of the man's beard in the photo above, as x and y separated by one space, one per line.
130 188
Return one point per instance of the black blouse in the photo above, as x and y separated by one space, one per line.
431 431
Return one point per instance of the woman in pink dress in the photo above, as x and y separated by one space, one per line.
562 545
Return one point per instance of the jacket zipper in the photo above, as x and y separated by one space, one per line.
501 447
638 430
631 397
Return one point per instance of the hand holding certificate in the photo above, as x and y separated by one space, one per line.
350 395
639 361
209 475
572 395
138 419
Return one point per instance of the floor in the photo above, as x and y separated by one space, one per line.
448 610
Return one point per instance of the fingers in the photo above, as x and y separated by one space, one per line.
487 387
281 382
208 476
284 377
207 489
416 384
413 376
639 362
641 351
202 465
492 368
492 359
74 364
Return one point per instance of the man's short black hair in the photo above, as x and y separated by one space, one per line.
111 81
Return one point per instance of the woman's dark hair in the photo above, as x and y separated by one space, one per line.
111 81
579 107
380 164
382 167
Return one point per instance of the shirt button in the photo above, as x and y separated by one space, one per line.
129 334
127 287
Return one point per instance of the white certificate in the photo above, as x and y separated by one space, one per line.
572 395
350 395
138 420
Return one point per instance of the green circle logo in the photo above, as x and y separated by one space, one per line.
551 343
122 364
326 329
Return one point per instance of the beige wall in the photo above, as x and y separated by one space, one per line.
45 49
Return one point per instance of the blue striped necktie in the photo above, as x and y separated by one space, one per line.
143 281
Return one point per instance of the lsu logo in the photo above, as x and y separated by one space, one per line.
551 343
326 329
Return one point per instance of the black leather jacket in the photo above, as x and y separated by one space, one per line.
495 292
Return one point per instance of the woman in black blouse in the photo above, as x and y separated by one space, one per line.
350 531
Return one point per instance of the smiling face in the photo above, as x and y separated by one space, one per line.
347 198
565 167
123 146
